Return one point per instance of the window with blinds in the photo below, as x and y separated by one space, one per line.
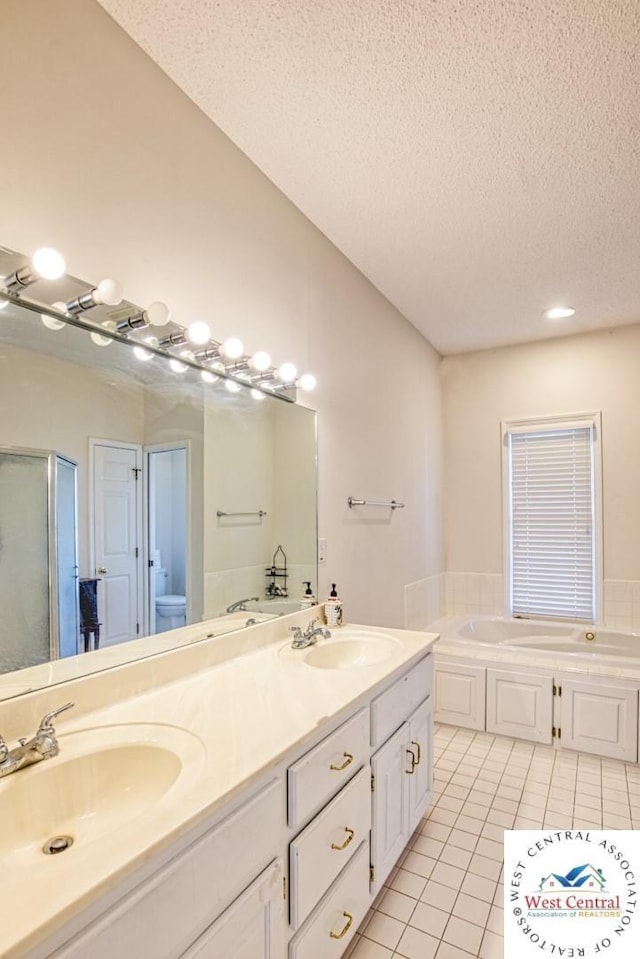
552 506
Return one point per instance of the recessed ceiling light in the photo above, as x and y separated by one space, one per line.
559 313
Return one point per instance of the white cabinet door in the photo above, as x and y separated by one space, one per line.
420 763
520 705
252 928
600 719
460 695
390 813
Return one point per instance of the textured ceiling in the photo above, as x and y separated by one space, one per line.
478 160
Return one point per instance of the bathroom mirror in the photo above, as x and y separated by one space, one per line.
199 486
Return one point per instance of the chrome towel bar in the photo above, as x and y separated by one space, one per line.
391 504
255 512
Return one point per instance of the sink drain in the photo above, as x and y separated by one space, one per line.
58 844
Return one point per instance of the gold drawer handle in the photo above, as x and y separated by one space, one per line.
414 763
347 927
417 745
348 759
350 835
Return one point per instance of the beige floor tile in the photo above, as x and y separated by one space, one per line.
463 934
472 909
385 930
443 897
408 883
429 919
397 905
415 944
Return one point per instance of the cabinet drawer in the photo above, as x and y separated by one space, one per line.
327 844
397 703
164 915
341 911
324 770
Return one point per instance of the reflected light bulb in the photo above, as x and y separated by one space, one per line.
51 322
559 313
307 382
208 376
257 395
157 313
233 348
3 303
260 361
198 333
104 340
287 372
232 386
48 263
108 292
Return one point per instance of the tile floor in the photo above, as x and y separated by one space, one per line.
444 898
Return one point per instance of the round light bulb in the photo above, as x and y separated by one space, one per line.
233 348
157 313
232 386
307 382
287 372
208 376
198 333
560 313
260 361
104 340
108 292
48 263
51 322
257 395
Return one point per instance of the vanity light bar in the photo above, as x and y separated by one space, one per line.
238 369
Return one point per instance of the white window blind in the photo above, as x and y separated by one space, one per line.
552 521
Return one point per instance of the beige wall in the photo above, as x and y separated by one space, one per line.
597 371
49 404
110 163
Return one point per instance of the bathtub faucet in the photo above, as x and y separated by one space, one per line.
241 604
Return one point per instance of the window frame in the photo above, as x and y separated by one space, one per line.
591 420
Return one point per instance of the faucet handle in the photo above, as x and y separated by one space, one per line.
297 632
4 750
46 721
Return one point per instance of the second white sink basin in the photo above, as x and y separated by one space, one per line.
350 650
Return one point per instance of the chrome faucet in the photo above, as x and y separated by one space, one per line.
309 637
241 604
43 745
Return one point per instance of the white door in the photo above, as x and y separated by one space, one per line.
252 928
520 705
117 532
599 719
390 811
420 763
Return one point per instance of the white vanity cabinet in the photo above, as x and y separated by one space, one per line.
253 927
520 705
290 869
599 717
402 769
460 694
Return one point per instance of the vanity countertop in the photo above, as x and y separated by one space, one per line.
236 720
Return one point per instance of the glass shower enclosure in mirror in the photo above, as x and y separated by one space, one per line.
184 491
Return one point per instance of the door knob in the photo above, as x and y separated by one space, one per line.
102 569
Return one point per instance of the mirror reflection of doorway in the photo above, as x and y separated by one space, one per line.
168 535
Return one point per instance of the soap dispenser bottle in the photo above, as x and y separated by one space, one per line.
333 608
308 600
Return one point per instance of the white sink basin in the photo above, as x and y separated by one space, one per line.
346 649
102 779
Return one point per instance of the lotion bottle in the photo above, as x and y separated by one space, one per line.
308 600
333 608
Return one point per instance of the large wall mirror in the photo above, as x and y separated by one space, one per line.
136 499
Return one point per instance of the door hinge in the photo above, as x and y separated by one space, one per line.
137 629
373 783
150 563
137 552
557 690
372 874
556 733
284 888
